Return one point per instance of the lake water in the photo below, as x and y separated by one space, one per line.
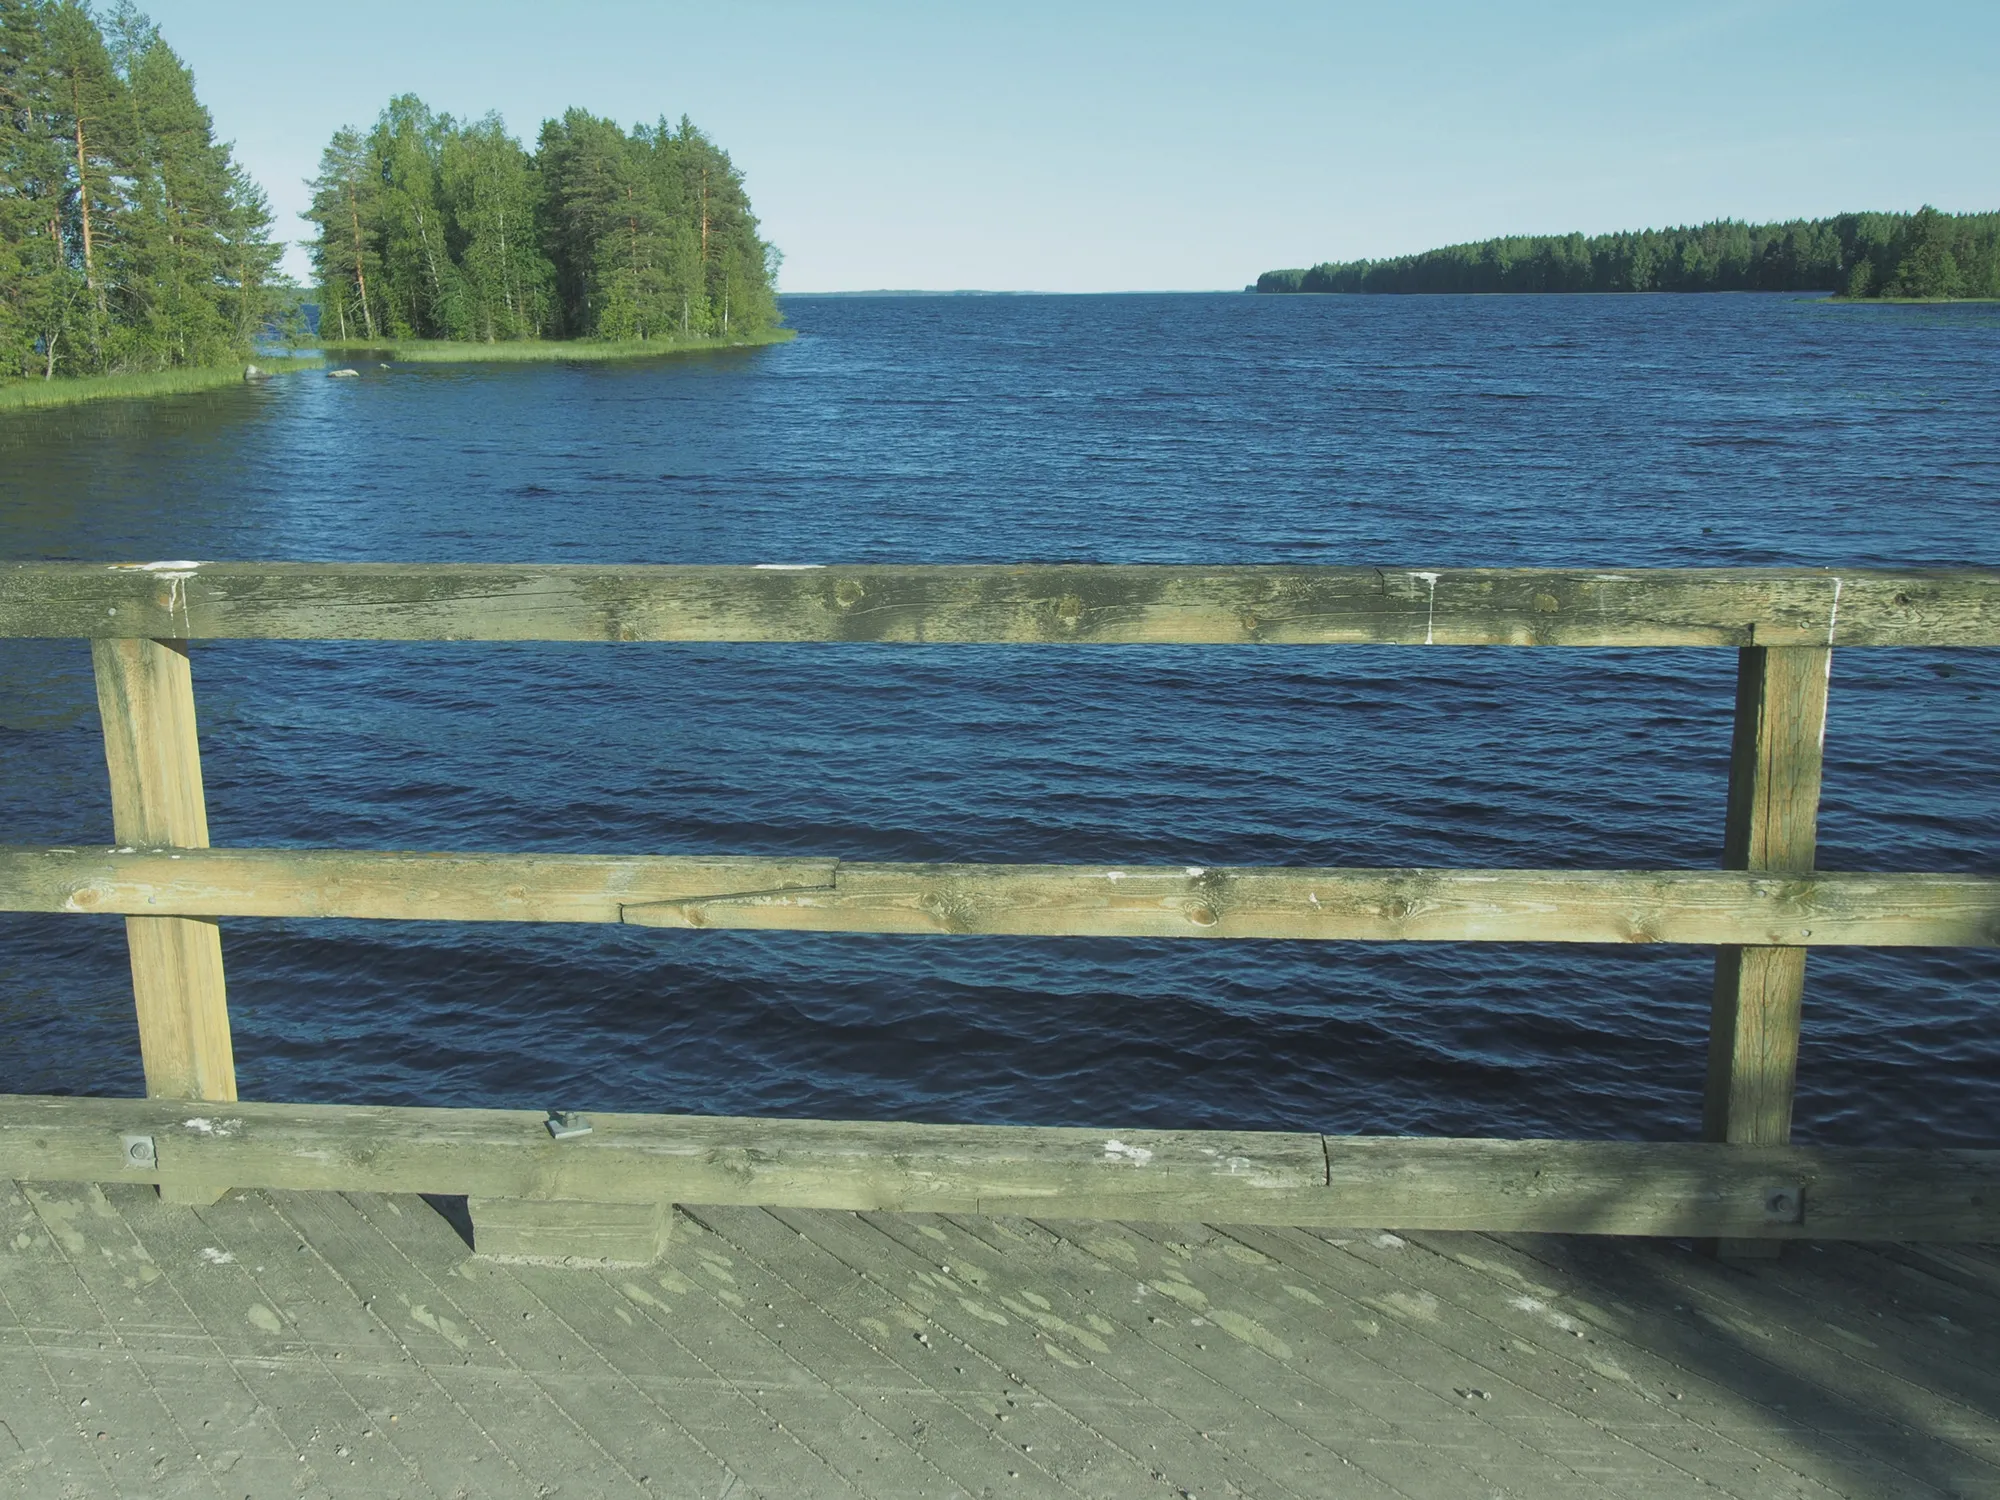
1412 433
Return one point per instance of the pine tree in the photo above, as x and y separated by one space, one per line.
635 253
491 193
39 292
250 258
737 273
85 95
174 246
581 161
1927 268
346 207
423 290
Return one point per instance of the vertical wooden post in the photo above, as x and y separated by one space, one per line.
145 697
1774 783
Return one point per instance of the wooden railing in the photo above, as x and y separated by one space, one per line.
537 1188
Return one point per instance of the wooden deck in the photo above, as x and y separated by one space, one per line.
320 1344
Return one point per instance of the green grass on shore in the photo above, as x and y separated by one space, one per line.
22 395
448 351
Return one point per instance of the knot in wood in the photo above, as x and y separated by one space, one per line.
951 910
1069 610
847 593
1547 604
1201 914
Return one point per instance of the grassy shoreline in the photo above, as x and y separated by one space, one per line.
32 395
70 390
447 351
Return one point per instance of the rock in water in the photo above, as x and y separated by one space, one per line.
343 374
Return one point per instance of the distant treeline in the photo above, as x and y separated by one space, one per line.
130 239
431 227
1924 254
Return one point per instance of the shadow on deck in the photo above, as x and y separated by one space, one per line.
318 1344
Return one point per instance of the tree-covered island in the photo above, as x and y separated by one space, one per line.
1926 254
440 229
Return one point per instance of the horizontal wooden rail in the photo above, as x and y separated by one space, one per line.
825 895
1593 1187
401 887
1271 605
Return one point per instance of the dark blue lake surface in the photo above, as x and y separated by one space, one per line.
1412 433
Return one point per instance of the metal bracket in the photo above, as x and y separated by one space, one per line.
1783 1203
139 1153
565 1123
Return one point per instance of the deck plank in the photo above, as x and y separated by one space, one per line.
327 1345
708 1396
1328 1389
501 1420
932 1423
1001 1429
1249 1425
1455 1360
1808 1405
1526 1332
373 1421
139 1368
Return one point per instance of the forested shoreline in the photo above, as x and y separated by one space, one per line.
131 241
1926 254
434 228
134 247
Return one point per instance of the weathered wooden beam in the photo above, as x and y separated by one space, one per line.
145 698
1590 1187
397 886
1039 603
510 1154
1776 757
824 895
1759 1194
1517 906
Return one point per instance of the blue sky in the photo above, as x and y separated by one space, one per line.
1096 147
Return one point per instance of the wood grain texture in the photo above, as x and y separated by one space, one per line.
145 699
1593 1187
1776 755
1772 823
387 885
1035 603
681 1159
1608 906
1358 905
